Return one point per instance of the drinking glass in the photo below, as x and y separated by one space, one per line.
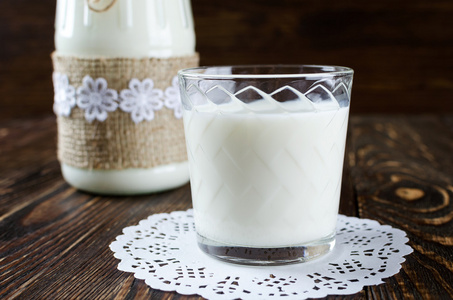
266 149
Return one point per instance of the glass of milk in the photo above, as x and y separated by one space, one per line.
266 148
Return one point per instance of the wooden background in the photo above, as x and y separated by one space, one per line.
402 51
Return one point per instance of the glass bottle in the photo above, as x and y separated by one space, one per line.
135 46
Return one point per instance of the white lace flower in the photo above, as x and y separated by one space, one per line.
173 98
141 99
64 99
96 99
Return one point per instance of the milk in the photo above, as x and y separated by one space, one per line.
129 28
265 179
132 29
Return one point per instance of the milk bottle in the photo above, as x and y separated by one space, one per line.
116 96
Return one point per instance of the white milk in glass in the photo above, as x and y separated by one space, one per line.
265 179
132 29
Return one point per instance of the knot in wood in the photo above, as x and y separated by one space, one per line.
409 194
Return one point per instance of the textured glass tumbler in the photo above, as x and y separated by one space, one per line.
266 149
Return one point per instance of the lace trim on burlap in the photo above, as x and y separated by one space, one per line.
119 142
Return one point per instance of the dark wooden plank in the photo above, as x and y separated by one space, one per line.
402 169
400 61
54 239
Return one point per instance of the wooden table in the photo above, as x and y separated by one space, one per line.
54 240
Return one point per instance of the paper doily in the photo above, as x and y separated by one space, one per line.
162 250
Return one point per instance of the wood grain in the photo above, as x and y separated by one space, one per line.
54 239
400 50
398 170
402 167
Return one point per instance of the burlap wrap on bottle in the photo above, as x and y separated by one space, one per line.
119 143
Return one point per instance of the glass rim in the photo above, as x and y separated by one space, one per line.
193 73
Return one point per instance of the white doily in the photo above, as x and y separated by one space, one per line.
163 251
